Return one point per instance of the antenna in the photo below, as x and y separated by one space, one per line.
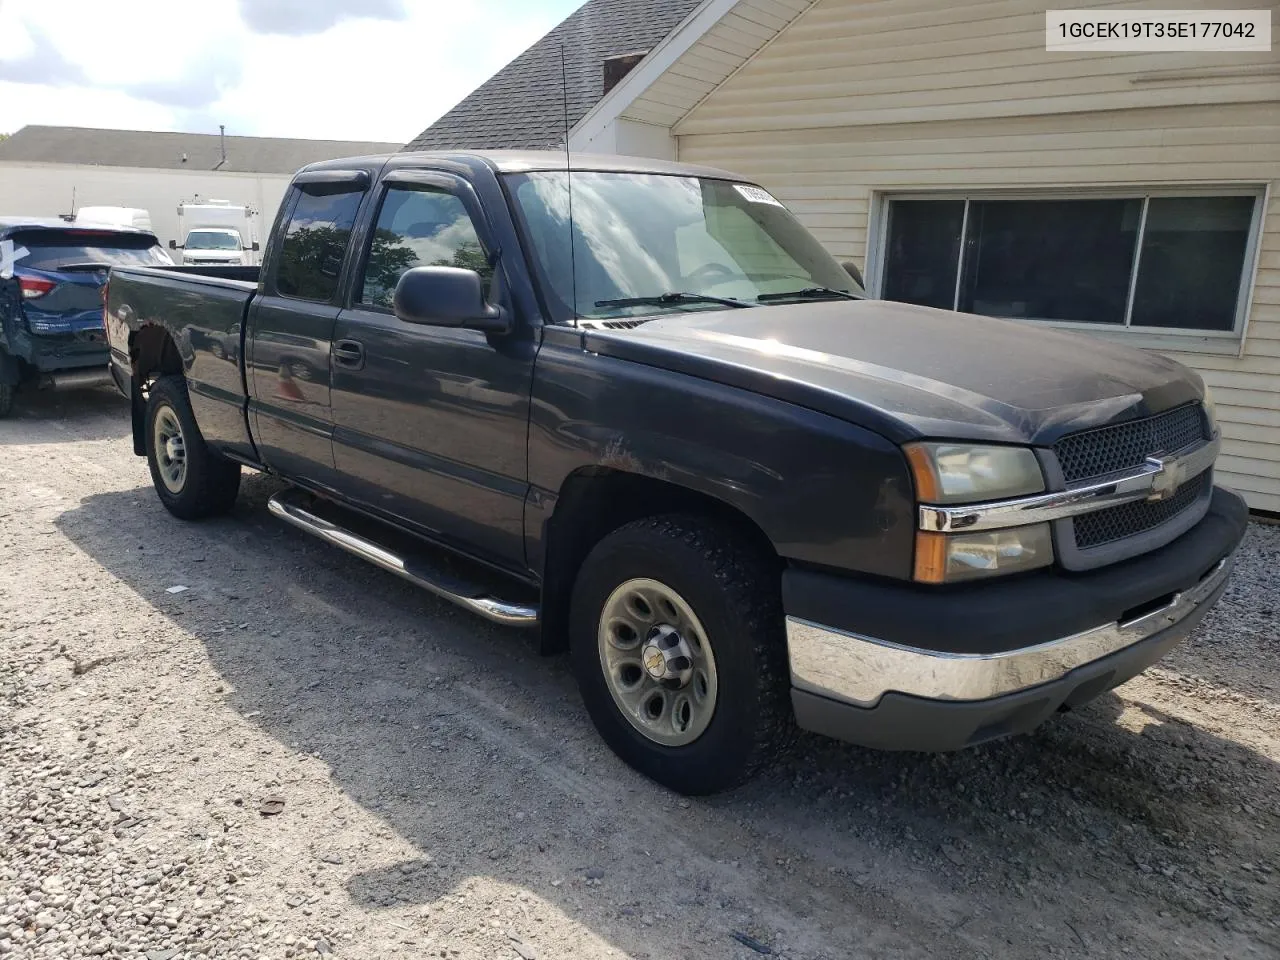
568 180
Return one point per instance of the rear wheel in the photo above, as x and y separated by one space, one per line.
679 651
192 480
6 399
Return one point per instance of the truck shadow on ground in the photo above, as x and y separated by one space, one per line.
476 750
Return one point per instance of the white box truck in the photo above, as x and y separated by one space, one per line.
216 233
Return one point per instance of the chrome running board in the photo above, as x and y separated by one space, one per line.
292 506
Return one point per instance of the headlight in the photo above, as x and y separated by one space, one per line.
963 473
949 558
1210 409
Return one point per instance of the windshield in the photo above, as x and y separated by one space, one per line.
649 235
213 240
51 249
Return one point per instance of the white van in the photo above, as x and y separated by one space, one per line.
216 232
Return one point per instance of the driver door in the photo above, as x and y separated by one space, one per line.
431 423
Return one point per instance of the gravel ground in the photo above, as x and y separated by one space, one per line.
299 755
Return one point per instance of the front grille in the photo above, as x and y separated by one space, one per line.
1131 519
1096 453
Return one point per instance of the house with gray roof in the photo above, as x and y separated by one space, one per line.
523 105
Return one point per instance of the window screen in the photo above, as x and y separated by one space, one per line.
1192 268
1175 262
1050 259
923 251
419 227
315 243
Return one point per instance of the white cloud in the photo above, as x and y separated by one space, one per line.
343 71
300 17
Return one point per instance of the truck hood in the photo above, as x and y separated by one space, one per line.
912 372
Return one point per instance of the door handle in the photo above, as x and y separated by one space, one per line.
349 354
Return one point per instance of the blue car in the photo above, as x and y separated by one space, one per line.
51 278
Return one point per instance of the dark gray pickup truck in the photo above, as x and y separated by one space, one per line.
644 411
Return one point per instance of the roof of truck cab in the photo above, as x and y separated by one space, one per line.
525 161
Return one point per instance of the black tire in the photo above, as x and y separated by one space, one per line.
734 591
210 481
6 399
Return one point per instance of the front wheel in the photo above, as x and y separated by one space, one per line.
192 480
679 650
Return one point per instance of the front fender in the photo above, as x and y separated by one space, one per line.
823 491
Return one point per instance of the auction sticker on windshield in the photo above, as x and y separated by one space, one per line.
756 194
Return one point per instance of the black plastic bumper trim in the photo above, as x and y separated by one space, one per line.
901 722
1021 611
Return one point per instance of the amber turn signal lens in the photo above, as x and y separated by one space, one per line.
931 557
922 472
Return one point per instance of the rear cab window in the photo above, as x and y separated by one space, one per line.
315 241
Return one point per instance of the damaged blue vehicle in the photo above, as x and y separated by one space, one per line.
52 276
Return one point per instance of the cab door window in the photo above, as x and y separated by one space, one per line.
315 244
419 226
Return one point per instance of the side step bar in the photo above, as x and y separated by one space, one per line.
292 506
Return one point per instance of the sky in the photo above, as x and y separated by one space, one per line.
379 70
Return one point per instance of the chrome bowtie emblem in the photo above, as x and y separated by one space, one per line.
1167 476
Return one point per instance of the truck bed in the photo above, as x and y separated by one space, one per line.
235 272
203 309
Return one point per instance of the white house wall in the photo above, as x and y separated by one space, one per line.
858 100
858 62
45 190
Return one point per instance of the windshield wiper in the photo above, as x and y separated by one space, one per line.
670 300
808 293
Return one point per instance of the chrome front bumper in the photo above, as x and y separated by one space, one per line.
859 670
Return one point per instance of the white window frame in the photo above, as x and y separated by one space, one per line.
1166 338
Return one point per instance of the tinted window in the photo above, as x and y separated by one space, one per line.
419 227
51 249
1050 259
1193 251
1076 260
315 243
924 249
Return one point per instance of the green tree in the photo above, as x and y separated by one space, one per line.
468 256
387 261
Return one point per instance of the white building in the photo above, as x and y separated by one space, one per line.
50 171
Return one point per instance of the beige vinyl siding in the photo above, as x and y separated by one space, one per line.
856 62
832 177
740 34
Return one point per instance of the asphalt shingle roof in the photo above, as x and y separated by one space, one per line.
521 107
141 148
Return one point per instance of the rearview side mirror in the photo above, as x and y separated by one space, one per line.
173 244
447 297
852 270
254 246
